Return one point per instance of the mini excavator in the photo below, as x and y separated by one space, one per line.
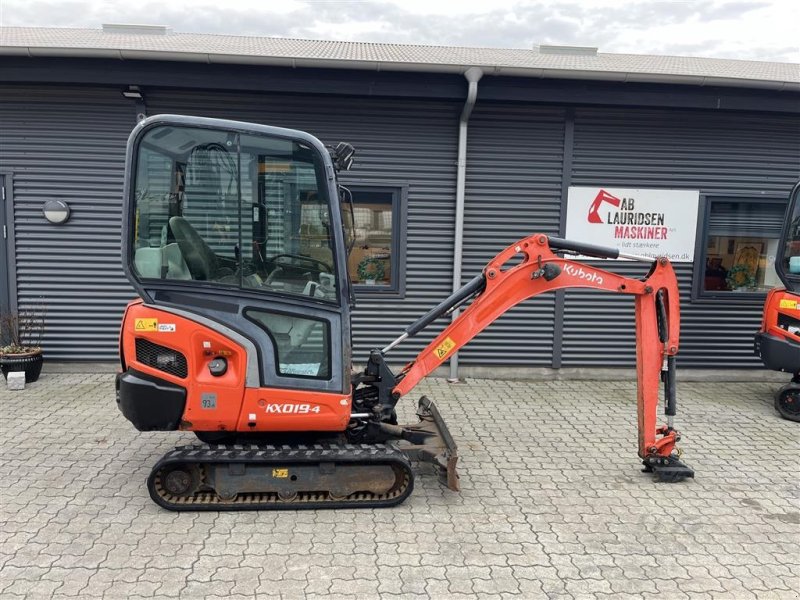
778 341
236 239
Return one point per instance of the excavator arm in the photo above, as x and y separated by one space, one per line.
531 267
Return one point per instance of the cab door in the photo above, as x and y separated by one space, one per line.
787 262
237 226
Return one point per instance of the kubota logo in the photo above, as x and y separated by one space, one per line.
602 196
589 276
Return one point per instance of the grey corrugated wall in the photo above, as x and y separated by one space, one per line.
717 153
514 165
68 143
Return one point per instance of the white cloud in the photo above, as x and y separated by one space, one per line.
743 29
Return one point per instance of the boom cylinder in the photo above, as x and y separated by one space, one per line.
582 248
475 286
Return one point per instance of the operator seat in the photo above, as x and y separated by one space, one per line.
199 256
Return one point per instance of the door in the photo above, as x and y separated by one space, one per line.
787 262
5 241
239 223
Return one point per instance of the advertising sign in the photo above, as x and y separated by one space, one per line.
641 221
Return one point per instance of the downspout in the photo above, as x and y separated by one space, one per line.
473 75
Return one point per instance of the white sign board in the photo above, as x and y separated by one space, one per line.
642 221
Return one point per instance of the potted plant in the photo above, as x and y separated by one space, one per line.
20 339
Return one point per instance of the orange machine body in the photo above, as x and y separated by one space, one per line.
778 340
782 314
178 350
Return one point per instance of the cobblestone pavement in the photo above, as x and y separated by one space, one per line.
553 506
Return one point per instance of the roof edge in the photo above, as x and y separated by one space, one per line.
539 72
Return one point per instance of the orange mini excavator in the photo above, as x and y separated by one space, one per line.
778 341
236 239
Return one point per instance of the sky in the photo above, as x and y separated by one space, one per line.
740 29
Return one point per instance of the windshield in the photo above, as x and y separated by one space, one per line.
234 210
791 252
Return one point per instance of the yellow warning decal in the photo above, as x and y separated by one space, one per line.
146 325
280 473
444 348
787 303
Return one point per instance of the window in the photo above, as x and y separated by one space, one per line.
376 260
301 343
236 210
740 246
791 254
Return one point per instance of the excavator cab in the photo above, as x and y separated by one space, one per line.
235 237
241 227
778 340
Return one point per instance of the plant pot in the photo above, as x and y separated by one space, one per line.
30 363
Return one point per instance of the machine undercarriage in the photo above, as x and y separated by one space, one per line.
326 471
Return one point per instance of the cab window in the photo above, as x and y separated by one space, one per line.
233 210
791 253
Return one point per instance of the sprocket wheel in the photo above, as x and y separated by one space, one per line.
180 482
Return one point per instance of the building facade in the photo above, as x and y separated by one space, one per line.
64 122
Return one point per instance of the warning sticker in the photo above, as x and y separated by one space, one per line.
787 303
146 325
280 473
166 327
444 348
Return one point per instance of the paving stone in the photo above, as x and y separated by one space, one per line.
532 521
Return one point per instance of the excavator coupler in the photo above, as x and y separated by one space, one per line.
668 469
429 440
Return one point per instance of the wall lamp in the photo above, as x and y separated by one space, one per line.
56 211
132 92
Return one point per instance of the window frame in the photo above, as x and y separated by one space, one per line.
699 295
399 189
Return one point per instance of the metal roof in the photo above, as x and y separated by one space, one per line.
126 42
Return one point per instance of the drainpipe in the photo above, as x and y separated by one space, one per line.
473 75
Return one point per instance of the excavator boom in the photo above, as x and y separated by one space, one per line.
506 281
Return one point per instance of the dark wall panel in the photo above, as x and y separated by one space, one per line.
68 144
714 152
514 165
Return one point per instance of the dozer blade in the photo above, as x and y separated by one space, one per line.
429 440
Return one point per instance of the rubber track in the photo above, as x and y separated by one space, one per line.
267 455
